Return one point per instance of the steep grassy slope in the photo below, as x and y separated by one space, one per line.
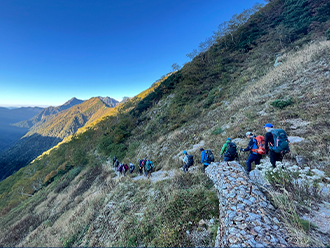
228 90
75 150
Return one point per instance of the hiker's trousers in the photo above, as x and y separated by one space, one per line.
252 158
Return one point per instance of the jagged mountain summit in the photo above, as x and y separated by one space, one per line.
73 101
109 101
47 113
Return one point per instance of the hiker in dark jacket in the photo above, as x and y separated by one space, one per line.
140 169
229 155
120 168
125 169
131 167
253 157
269 140
114 161
141 166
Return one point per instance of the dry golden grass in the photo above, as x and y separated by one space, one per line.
290 219
63 216
295 63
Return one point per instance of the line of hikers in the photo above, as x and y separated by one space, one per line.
145 167
275 143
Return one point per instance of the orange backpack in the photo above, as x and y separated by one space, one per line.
260 140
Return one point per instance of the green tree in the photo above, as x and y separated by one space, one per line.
175 67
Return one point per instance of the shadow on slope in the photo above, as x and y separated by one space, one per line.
23 152
9 134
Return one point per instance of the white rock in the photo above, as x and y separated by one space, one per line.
295 139
256 176
318 172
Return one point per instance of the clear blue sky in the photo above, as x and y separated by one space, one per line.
53 50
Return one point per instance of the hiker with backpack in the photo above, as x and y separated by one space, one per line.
188 161
131 167
229 151
141 165
148 168
116 163
125 168
252 147
206 158
120 168
276 143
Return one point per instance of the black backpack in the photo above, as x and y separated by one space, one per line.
190 160
231 150
209 155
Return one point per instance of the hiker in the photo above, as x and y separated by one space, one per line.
188 161
131 167
114 161
276 143
206 158
185 161
144 162
125 168
229 151
254 156
148 168
140 166
120 168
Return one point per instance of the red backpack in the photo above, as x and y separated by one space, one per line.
260 140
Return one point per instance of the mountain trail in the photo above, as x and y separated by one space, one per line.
162 175
157 176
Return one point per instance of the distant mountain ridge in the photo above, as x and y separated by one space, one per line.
50 127
45 114
68 121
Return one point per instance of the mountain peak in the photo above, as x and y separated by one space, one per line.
109 101
73 101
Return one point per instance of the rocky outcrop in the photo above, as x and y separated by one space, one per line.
246 217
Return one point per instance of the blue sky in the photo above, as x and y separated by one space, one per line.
51 51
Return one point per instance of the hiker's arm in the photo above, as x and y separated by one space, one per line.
249 147
223 148
266 142
203 157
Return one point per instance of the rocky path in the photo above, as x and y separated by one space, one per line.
157 176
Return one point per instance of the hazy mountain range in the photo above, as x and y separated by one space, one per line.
9 133
46 129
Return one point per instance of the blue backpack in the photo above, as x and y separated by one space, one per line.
281 142
148 165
